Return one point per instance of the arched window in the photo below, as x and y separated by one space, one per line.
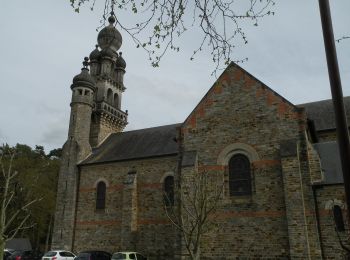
110 96
169 191
338 218
101 195
240 183
116 100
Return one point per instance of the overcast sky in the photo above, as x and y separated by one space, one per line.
43 43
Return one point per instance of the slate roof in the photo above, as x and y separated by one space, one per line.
330 162
322 113
137 144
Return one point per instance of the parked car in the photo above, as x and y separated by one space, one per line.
7 253
25 255
127 256
58 255
93 255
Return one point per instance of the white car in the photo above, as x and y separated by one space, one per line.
127 256
58 255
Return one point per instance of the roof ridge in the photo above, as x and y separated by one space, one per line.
149 128
320 101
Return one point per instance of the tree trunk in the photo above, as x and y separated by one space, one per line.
48 235
2 247
197 254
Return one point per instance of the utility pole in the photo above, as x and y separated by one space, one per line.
337 97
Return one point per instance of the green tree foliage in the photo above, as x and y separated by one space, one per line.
36 180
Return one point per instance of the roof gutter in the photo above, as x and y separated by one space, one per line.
128 159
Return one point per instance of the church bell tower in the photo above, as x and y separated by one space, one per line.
108 69
76 148
95 113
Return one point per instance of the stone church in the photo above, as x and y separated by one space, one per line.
282 195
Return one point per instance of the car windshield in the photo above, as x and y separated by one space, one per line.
83 256
50 253
17 253
119 256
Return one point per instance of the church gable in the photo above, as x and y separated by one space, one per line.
239 108
236 77
237 130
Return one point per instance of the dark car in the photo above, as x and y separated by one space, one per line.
7 253
93 255
24 255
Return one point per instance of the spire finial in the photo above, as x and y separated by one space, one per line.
85 62
111 19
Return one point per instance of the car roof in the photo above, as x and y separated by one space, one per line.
127 252
59 251
92 251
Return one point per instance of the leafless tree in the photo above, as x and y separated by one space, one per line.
158 23
198 198
342 39
11 221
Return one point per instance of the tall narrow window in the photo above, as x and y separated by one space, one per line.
239 176
116 100
338 218
101 195
169 191
110 96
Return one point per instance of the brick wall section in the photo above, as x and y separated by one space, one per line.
153 235
240 109
331 246
314 163
101 127
302 229
186 174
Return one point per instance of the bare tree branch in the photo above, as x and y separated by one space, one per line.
199 196
158 24
7 228
342 38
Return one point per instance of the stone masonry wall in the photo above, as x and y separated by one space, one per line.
302 228
327 196
62 237
76 148
153 235
242 113
101 127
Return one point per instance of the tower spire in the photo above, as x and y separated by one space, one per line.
108 69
